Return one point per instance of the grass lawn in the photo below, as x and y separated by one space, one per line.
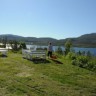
21 77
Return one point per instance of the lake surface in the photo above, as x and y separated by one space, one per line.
92 50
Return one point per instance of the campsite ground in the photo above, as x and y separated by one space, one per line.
21 77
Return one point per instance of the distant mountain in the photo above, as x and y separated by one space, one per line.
34 40
87 40
11 37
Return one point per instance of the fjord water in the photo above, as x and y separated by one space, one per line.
77 49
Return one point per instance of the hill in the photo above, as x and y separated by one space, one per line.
29 40
11 37
87 40
22 77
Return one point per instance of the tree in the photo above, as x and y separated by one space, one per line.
14 45
22 45
89 54
4 41
59 50
68 46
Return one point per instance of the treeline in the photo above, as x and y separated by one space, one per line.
14 44
87 40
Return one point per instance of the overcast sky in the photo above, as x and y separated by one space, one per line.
58 19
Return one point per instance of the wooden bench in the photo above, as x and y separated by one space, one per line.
31 54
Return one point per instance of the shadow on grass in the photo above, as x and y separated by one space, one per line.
56 61
3 56
40 61
44 61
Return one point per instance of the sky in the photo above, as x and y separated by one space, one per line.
58 19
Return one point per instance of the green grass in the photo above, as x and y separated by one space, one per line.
21 77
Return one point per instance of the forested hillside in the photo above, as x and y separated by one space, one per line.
87 40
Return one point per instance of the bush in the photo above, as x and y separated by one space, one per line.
84 62
78 63
71 56
74 62
91 66
83 59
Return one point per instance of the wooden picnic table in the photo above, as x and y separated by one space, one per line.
28 54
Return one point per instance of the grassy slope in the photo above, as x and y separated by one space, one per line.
21 77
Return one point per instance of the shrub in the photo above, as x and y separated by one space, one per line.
91 66
74 62
78 63
71 56
83 59
84 62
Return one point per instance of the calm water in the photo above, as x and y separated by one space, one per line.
92 50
